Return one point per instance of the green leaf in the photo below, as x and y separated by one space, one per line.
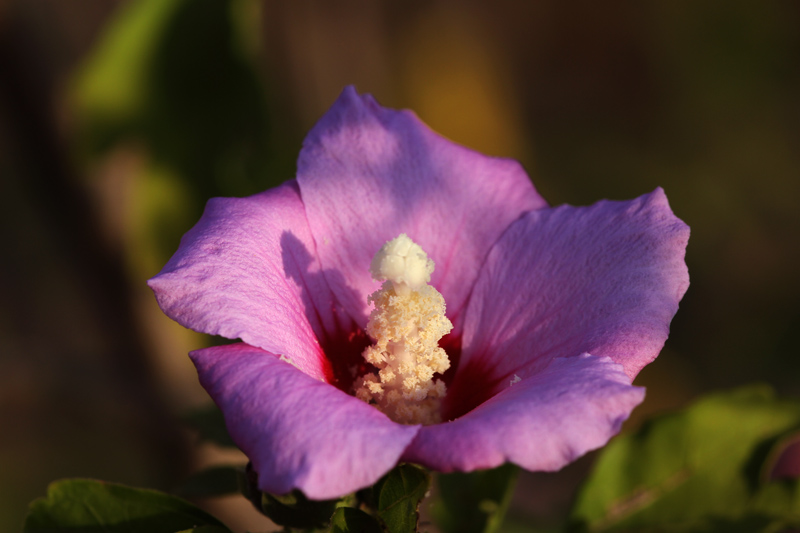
86 505
397 496
295 510
696 470
475 502
210 425
211 482
350 520
292 510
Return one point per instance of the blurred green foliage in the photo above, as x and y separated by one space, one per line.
176 76
705 469
474 502
178 79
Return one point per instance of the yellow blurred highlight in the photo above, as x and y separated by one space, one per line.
161 199
133 198
459 85
160 204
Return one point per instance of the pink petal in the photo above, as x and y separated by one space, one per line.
297 431
787 464
368 174
543 422
248 270
604 279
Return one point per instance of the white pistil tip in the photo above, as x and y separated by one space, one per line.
403 262
407 323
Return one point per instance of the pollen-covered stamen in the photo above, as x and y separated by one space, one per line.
407 323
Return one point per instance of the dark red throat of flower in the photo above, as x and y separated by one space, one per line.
345 364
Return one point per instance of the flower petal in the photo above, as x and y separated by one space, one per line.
604 279
540 423
368 173
248 270
299 432
787 463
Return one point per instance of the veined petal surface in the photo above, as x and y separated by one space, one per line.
540 423
248 270
367 174
604 279
297 431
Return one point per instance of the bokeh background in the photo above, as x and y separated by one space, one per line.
119 119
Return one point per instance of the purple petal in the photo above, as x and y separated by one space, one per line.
248 270
297 431
368 174
787 464
543 422
604 279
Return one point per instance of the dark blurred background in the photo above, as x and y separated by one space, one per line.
118 120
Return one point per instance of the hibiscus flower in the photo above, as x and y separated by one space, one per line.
554 311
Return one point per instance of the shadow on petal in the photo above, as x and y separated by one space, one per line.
341 338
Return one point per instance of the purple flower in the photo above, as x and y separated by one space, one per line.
554 310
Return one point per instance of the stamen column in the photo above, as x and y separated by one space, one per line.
407 323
